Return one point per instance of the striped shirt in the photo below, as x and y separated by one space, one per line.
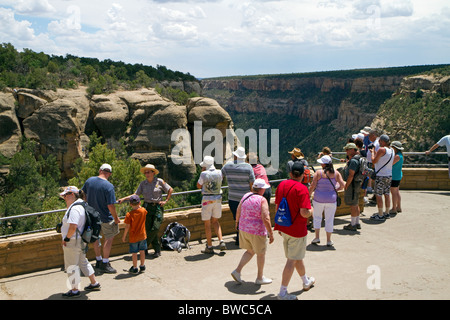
239 175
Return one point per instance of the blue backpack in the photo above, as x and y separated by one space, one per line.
283 214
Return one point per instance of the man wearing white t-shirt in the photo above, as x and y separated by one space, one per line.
383 160
444 141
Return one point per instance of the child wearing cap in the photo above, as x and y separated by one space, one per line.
135 226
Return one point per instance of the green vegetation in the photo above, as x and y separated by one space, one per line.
33 185
420 118
29 69
346 74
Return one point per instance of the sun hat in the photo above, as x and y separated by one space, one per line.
350 145
240 153
260 183
366 130
207 162
149 167
135 199
325 160
106 167
69 189
397 145
297 152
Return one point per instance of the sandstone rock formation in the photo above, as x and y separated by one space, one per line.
61 122
10 132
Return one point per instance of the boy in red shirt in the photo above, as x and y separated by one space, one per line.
294 236
135 225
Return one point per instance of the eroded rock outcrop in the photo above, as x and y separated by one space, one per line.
61 122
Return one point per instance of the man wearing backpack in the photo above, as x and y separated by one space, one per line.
210 181
294 236
352 186
100 194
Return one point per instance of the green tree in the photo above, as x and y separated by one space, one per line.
31 183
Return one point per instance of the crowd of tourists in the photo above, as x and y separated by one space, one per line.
373 164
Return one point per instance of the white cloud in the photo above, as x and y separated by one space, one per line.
168 32
33 7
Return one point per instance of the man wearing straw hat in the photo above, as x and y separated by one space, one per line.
152 189
296 155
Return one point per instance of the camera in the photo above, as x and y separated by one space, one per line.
58 227
371 146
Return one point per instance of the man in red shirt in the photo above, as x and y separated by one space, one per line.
294 236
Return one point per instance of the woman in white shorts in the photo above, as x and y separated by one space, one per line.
325 184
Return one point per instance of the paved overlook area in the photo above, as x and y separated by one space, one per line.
405 257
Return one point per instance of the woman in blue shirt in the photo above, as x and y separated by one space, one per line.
397 176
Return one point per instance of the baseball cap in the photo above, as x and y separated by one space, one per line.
106 167
350 145
260 183
324 160
298 166
384 137
69 189
135 199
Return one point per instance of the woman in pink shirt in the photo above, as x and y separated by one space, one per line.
253 220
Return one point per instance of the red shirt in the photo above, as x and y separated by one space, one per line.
260 172
136 220
298 197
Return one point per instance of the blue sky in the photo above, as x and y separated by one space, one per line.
235 37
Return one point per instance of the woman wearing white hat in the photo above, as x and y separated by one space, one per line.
253 219
325 196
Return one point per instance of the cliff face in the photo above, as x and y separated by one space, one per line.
61 122
310 112
324 84
315 99
418 113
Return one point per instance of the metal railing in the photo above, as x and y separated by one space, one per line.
182 193
39 214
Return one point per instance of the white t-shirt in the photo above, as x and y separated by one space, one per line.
77 216
445 141
211 181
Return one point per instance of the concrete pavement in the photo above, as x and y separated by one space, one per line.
405 257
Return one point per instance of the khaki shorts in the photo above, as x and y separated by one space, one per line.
351 195
294 248
252 242
110 229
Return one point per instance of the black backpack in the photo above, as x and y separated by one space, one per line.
175 237
93 225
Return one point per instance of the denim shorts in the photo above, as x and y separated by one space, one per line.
135 247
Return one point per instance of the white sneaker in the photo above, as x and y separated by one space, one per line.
264 280
310 283
236 276
287 296
315 241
